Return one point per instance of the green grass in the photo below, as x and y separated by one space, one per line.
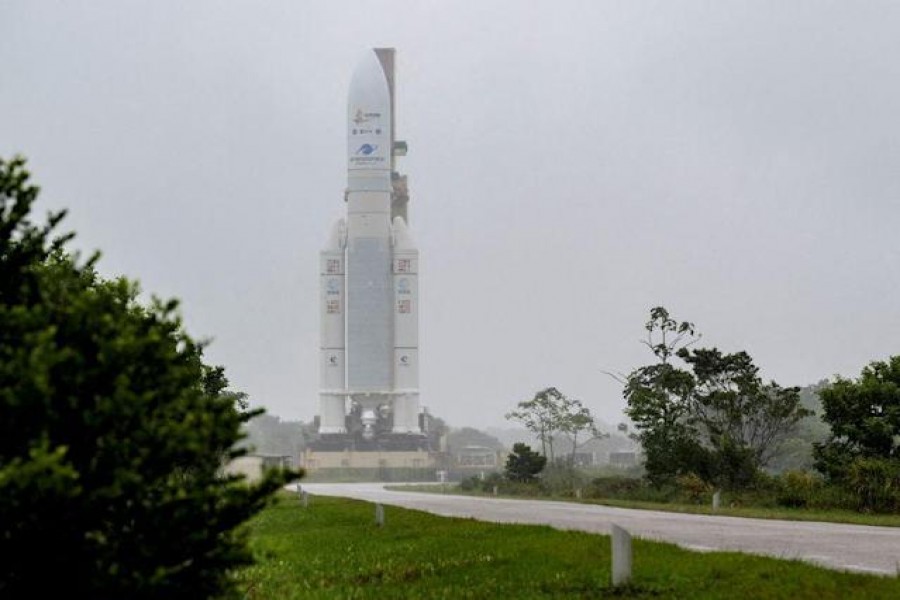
787 514
755 512
333 549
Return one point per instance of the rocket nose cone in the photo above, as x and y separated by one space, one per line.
369 116
369 70
369 91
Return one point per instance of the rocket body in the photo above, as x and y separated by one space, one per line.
369 268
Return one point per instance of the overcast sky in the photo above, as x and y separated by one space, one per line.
571 165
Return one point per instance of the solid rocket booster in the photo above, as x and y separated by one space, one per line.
369 268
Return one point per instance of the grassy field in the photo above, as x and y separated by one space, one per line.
756 512
333 549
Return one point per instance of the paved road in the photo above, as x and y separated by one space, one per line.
846 547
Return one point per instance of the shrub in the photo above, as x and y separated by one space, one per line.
523 464
470 483
113 433
876 484
615 487
796 489
694 488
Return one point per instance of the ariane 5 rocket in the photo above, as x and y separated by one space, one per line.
369 269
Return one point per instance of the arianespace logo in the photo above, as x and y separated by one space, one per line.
366 149
362 116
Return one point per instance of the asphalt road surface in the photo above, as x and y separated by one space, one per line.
859 548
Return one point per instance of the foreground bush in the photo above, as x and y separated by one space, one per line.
113 432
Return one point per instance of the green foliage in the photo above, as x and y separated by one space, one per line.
798 488
876 483
733 405
862 454
615 487
717 421
483 484
523 464
334 550
665 335
551 415
864 416
470 484
113 432
697 490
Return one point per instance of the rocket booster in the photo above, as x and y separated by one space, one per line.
369 291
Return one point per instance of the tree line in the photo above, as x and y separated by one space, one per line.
708 414
706 419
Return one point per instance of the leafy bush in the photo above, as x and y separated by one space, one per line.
693 488
798 488
876 484
113 433
482 484
615 487
523 464
470 484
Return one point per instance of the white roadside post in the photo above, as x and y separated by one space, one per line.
304 499
717 500
621 556
379 515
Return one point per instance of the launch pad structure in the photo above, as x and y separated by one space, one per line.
369 313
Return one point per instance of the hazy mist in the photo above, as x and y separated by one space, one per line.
571 165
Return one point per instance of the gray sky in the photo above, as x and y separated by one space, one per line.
571 165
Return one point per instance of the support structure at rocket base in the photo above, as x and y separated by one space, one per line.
369 314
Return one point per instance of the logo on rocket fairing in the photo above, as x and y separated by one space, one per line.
364 117
366 149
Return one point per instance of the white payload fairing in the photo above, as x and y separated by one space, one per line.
369 289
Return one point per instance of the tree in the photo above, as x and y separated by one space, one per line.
666 336
659 400
113 432
863 450
540 415
524 464
718 420
576 420
551 414
733 405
